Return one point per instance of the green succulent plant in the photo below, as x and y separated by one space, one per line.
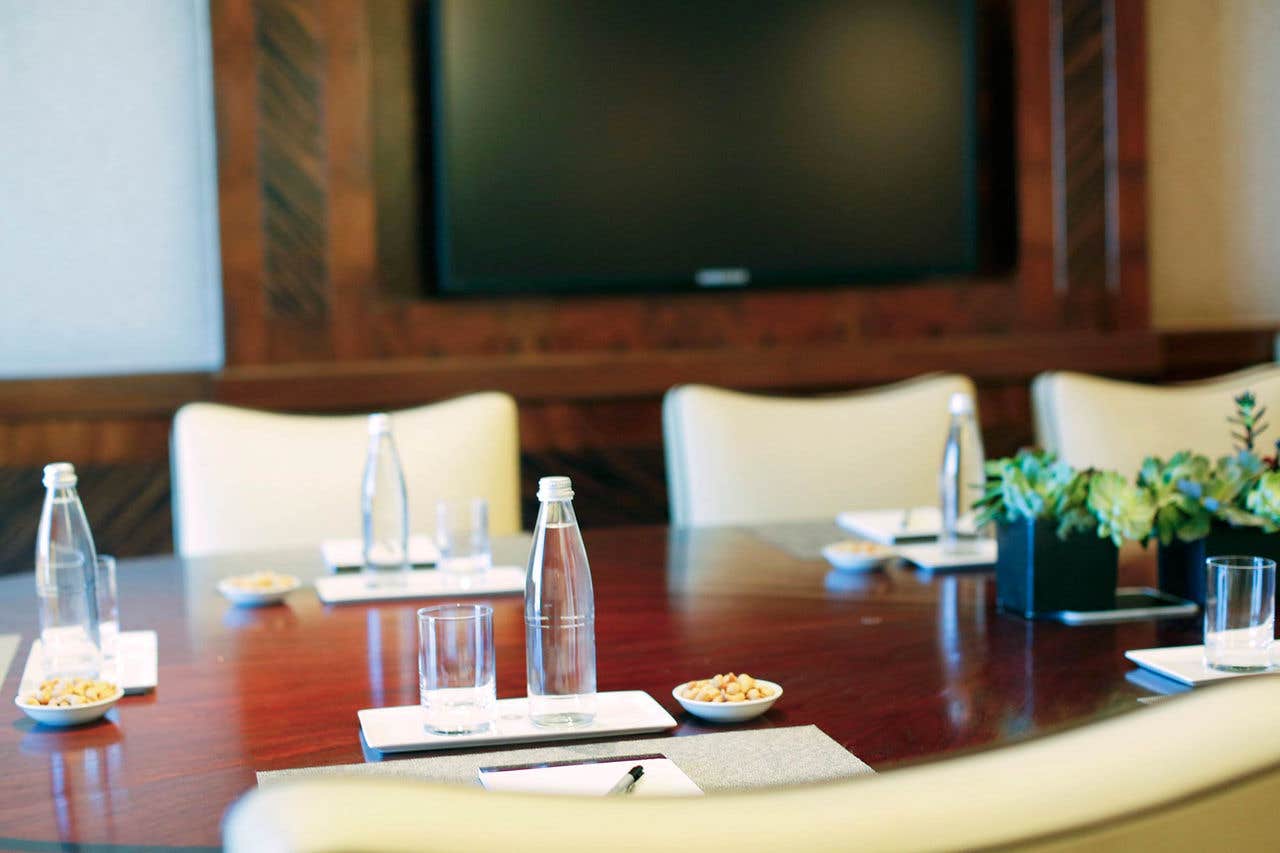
1031 485
1264 501
1189 492
1123 511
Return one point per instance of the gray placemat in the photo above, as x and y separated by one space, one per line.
8 649
724 761
804 539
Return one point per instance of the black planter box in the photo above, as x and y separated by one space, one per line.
1182 564
1038 574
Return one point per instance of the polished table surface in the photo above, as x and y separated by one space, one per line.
895 665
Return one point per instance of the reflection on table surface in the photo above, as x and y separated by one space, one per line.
896 665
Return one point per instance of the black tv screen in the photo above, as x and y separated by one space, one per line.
621 145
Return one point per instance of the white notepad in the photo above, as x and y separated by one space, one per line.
592 777
930 556
348 553
1184 664
404 729
138 664
433 583
887 527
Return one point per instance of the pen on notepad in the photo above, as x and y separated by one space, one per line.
628 781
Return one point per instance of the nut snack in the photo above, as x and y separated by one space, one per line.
727 688
69 692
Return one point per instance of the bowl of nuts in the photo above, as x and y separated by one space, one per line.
69 701
853 555
257 589
729 698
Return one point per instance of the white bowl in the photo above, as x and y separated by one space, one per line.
257 597
728 712
856 561
72 715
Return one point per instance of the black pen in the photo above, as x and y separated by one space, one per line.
627 783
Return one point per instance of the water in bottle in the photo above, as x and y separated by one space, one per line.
384 509
961 479
559 614
66 581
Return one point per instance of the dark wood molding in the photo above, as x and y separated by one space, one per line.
137 395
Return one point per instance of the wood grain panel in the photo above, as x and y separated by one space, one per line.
290 48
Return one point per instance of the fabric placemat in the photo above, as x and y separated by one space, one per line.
803 540
719 762
8 650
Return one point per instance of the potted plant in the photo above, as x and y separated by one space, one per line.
1205 509
1058 532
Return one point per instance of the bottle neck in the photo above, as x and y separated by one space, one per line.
557 512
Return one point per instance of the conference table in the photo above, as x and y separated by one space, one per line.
896 665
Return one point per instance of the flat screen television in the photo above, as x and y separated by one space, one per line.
615 145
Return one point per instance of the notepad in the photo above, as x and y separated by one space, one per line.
354 589
896 526
347 554
661 778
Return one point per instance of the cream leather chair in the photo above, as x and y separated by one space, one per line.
251 480
1106 423
1200 771
735 458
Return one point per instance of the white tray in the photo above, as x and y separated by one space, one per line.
932 558
1184 664
340 554
433 583
403 729
137 659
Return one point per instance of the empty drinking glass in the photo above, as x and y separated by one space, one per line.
108 617
1239 613
456 667
462 535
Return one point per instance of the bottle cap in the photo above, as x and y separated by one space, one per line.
379 424
961 404
59 474
555 489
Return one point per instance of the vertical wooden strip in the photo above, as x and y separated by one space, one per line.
291 100
1131 308
1033 41
353 255
239 209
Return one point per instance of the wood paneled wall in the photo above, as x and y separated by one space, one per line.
318 318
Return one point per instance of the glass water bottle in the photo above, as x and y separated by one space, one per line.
961 479
384 509
559 614
66 580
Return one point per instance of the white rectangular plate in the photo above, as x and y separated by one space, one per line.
138 661
354 588
592 778
885 525
1184 664
348 553
930 556
403 729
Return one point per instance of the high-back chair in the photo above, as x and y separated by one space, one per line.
249 480
1106 423
735 458
1199 771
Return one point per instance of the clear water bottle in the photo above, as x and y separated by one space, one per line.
66 580
559 614
961 480
384 509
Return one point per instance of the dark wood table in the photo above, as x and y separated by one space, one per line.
896 665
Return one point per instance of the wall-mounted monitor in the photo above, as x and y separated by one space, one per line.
602 145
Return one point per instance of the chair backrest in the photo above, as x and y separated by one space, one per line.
1106 423
249 480
735 458
1198 771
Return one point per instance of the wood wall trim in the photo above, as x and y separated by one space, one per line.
134 396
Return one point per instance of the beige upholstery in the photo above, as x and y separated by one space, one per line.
1110 424
1200 771
249 480
735 458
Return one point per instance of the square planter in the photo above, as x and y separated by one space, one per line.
1182 564
1038 574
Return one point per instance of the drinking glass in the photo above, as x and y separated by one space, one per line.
1239 613
462 535
456 667
108 617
